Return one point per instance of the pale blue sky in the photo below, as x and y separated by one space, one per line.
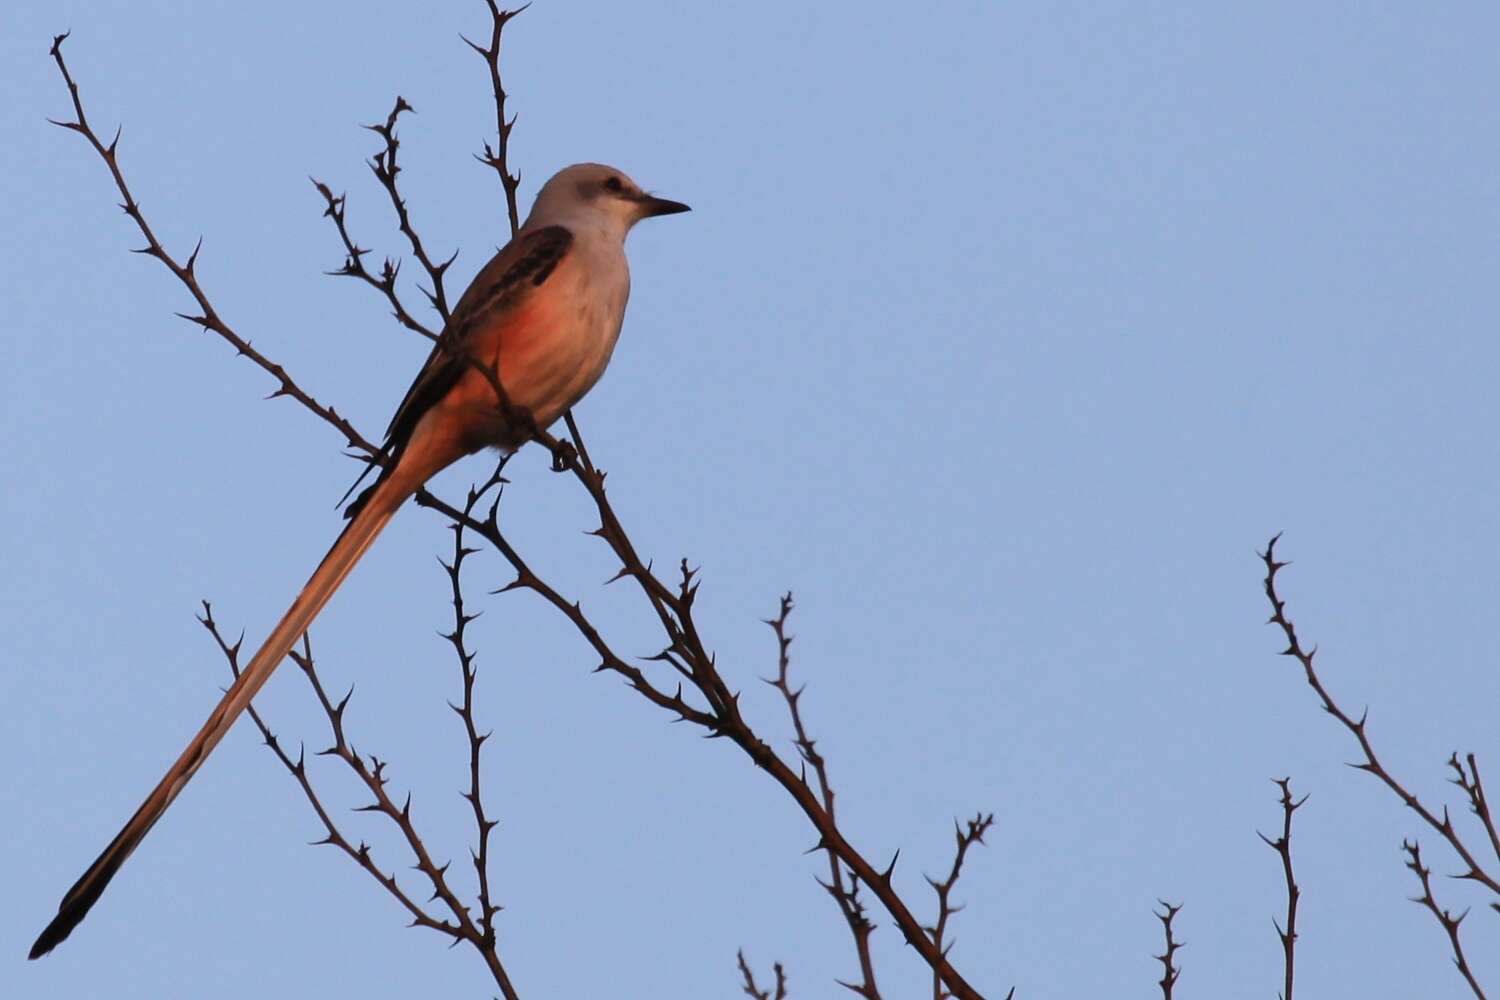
1004 334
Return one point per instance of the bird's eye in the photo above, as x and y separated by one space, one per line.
613 184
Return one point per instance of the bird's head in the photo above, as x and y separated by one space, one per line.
591 195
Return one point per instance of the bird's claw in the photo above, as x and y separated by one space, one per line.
563 456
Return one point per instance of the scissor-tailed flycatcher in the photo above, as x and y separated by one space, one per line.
544 316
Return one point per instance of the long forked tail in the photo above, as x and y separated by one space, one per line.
376 509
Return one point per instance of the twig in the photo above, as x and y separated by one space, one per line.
372 773
687 651
1473 787
298 770
461 618
844 891
752 989
1371 763
385 168
495 156
1170 972
1283 847
185 272
1448 921
354 265
964 838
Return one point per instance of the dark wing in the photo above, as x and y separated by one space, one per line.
521 265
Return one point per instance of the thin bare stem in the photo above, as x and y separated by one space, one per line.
496 156
1357 728
964 837
461 618
1473 787
1282 845
334 207
1449 922
674 608
370 770
752 989
297 768
385 168
1170 972
843 889
185 272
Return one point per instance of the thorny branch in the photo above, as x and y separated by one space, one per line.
354 265
685 652
372 774
964 837
844 888
297 768
461 618
495 156
1357 728
383 165
1479 804
185 272
1169 972
752 989
1448 921
1282 845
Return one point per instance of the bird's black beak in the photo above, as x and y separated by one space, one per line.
653 206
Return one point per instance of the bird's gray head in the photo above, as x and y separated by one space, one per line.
593 196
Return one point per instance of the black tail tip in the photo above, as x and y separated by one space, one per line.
56 933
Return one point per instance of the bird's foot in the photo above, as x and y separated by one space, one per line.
563 456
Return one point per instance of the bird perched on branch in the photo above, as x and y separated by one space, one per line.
530 336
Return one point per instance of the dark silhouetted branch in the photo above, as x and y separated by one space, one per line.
496 156
1479 804
385 168
297 768
842 886
1170 971
371 772
1282 845
186 273
754 990
334 207
483 825
1357 728
1449 922
964 837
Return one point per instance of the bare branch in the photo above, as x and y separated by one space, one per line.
964 838
722 717
844 890
496 156
371 772
1448 921
461 618
1473 788
298 770
1170 972
1357 728
385 168
754 990
207 317
1283 846
354 264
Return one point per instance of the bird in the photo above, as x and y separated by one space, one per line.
541 319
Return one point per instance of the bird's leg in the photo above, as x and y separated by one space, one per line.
563 456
